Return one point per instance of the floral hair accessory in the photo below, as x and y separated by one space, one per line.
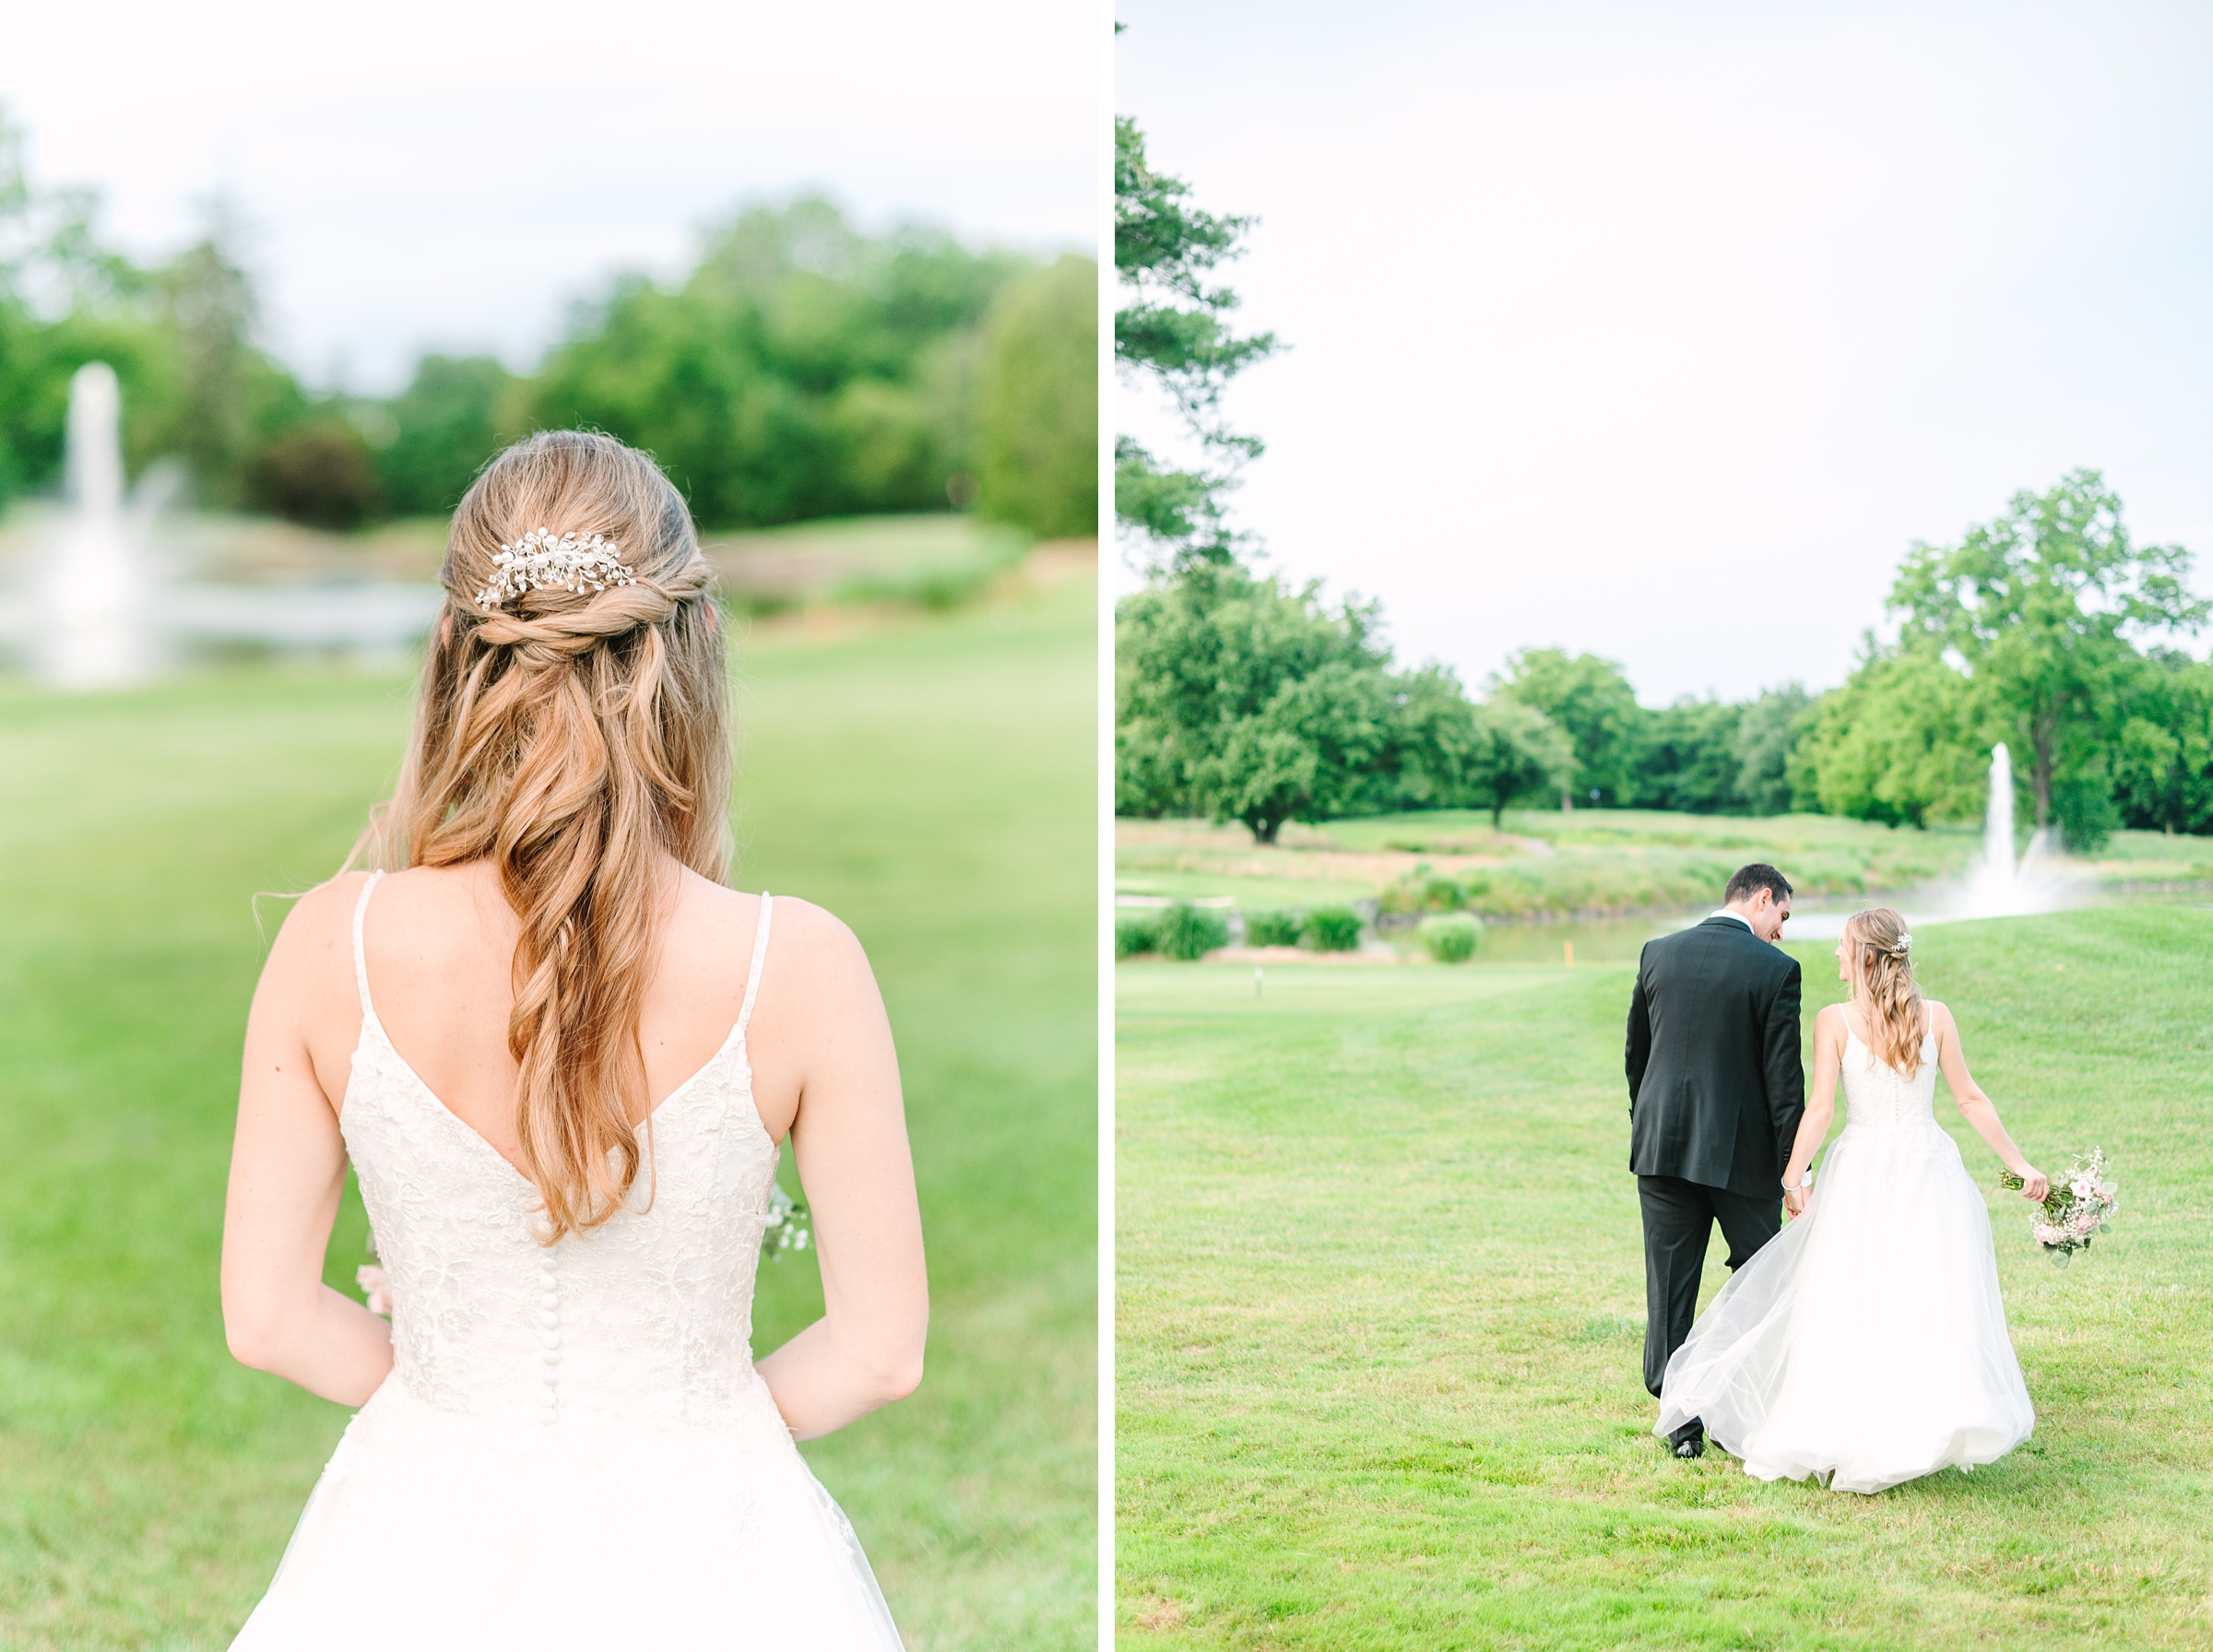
1905 941
539 562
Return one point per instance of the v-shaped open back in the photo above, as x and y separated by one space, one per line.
660 1295
372 1026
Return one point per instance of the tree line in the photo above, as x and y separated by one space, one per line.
1239 697
802 369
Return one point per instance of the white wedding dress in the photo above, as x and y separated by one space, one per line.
1865 1343
572 1449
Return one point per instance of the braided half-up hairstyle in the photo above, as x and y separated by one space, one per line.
1882 961
578 741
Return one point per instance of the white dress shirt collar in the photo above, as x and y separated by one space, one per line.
1734 917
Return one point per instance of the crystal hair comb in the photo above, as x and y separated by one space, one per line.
539 562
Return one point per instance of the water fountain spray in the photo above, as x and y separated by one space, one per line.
93 630
2004 886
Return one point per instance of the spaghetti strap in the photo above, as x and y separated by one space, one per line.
360 958
752 975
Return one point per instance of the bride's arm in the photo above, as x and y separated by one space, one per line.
1821 1101
287 1167
1977 1108
820 1010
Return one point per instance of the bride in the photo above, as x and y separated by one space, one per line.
1866 1342
561 1057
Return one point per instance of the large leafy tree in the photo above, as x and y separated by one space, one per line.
2162 762
1315 749
1515 751
1210 716
1037 412
2041 606
1590 700
1435 736
803 368
1768 728
1688 758
1173 333
457 412
1897 743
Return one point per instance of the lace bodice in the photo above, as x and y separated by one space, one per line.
1877 1096
644 1320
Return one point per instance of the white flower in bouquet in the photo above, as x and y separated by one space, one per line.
785 1229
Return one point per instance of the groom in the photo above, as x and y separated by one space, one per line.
1715 1092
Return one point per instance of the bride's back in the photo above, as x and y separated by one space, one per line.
1877 1094
440 944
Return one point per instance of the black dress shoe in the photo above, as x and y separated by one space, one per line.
1689 1441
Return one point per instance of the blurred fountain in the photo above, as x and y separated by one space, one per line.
92 629
2002 886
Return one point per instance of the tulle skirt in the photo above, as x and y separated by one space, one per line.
1866 1342
430 1529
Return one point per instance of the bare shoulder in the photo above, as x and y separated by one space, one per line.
1940 1018
321 920
808 940
805 941
307 979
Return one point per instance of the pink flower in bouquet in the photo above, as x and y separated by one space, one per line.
375 1288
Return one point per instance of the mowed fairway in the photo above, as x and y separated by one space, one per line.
931 783
1381 1307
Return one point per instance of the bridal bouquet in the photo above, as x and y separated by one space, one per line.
787 1228
376 1289
2078 1209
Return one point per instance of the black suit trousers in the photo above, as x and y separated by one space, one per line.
1678 1221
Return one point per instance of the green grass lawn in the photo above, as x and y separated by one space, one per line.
1544 863
932 783
1381 1308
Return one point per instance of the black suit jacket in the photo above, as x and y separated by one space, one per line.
1716 1086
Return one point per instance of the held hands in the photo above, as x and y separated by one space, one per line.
2034 1186
1793 1200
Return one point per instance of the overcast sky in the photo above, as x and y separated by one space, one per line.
1662 330
455 174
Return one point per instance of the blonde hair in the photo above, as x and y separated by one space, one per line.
1882 970
574 739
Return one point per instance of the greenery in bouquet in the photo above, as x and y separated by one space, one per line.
2079 1207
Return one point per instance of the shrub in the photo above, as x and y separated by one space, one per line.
1135 932
320 475
1273 928
1333 929
1451 939
1189 932
1424 891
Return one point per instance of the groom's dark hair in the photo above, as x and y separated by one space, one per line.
1749 879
